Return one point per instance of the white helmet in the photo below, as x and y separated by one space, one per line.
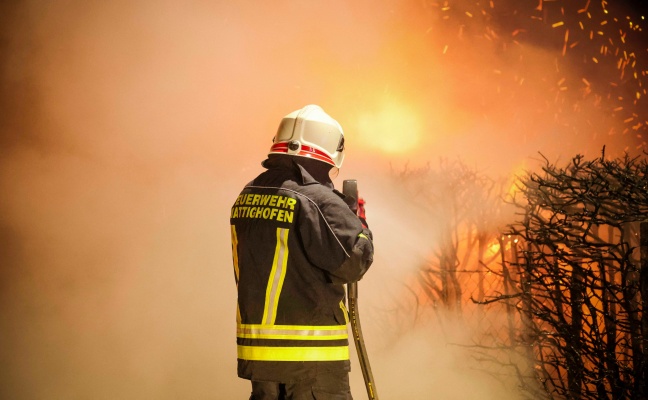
310 132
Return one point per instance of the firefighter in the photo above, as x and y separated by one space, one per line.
295 243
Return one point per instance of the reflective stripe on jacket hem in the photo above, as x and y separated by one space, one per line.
259 353
292 332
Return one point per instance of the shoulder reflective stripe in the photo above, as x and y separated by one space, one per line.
292 332
362 235
259 353
277 276
236 265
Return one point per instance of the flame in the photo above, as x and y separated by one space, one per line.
393 128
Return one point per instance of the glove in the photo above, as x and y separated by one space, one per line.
361 213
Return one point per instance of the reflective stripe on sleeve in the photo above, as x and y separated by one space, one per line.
292 332
344 311
235 262
260 353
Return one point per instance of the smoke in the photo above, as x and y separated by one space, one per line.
430 362
417 351
128 128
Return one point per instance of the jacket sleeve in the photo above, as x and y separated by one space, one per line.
359 261
335 240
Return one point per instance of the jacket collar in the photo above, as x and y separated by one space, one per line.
303 174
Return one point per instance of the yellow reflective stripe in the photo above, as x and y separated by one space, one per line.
277 276
235 253
362 235
259 353
292 332
236 266
344 311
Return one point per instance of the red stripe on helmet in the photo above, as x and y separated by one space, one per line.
305 151
281 147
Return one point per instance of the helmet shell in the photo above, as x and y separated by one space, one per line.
310 132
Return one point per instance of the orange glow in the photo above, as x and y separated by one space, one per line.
493 248
518 174
130 127
394 128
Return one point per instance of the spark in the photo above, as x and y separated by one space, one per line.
564 51
594 35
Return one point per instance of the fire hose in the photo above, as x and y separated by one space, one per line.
350 189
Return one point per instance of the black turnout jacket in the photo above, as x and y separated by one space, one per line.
295 243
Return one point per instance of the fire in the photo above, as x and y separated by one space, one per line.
393 128
493 248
